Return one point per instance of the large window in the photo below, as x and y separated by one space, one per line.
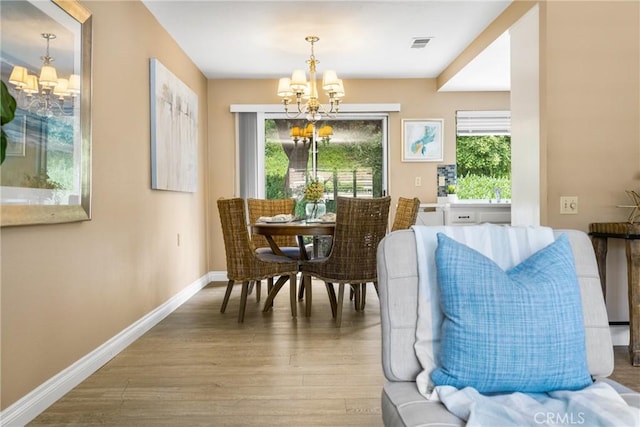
350 159
483 154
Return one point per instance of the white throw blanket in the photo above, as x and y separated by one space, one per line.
594 406
506 246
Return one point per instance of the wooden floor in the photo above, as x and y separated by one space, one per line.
200 367
624 373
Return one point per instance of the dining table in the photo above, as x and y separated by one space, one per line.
300 229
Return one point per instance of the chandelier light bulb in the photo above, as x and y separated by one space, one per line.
284 87
329 80
62 88
74 84
48 76
298 80
339 89
18 76
31 86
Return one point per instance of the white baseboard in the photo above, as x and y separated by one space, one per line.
218 276
43 396
619 334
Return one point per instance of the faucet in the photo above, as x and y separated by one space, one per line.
496 191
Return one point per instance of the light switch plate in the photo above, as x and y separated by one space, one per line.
568 205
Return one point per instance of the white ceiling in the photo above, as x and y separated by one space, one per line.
358 39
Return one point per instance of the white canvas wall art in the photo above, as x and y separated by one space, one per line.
422 140
174 131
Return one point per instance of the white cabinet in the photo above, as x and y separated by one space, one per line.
464 213
460 216
473 212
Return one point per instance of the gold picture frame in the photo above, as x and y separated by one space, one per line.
27 195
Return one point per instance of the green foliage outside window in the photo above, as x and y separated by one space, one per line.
276 164
483 164
482 187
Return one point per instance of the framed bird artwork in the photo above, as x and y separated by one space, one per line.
422 140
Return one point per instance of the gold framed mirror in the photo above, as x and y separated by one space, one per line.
46 65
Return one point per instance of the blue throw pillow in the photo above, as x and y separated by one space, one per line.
519 330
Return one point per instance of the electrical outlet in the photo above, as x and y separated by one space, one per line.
441 181
569 205
418 181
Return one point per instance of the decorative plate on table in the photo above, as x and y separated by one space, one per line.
278 219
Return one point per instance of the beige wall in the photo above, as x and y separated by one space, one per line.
66 289
591 106
418 99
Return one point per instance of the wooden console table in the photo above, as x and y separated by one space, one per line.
600 232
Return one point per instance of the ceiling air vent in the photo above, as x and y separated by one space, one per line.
420 42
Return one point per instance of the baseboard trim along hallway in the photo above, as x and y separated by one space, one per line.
43 396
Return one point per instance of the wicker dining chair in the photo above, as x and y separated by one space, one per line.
406 213
267 208
244 264
360 225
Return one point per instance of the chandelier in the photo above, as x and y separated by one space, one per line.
306 92
50 99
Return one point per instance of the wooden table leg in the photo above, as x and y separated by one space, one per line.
600 248
316 244
633 273
274 246
268 304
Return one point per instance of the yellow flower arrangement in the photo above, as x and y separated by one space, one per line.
314 190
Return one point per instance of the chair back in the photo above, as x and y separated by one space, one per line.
237 245
360 225
406 213
271 207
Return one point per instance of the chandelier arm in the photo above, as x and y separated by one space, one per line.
43 104
299 103
331 113
292 115
286 102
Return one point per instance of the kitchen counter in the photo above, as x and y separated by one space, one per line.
464 212
481 203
